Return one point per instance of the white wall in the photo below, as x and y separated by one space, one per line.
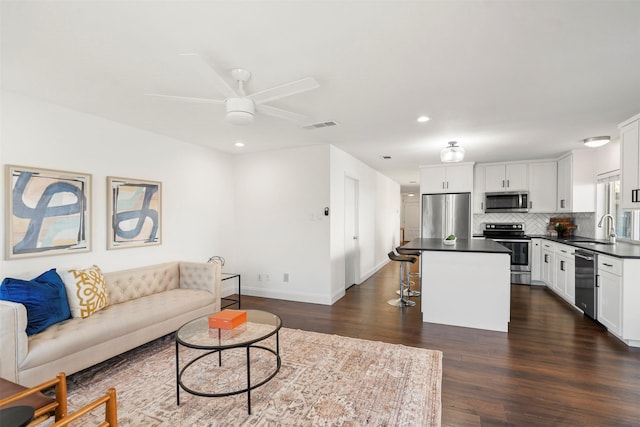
198 197
280 223
263 212
378 218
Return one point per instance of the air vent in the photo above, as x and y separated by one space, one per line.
320 125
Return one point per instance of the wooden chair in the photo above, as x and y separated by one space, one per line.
12 394
110 411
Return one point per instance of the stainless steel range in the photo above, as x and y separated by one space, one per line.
512 236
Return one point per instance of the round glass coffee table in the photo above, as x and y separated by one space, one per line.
196 334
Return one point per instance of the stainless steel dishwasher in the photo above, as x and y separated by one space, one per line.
586 282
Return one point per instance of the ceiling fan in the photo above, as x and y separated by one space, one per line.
240 106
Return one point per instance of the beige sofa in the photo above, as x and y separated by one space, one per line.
144 304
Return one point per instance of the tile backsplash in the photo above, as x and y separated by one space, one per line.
537 223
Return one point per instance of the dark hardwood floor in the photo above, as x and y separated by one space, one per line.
554 368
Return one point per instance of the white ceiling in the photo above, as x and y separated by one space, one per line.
508 80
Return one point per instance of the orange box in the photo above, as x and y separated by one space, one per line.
227 319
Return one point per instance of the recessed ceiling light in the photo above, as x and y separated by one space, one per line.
239 144
423 119
410 194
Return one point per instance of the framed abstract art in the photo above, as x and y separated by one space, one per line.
49 212
134 213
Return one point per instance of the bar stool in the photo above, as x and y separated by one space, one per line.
403 260
410 252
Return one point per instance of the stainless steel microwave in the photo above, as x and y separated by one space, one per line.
516 201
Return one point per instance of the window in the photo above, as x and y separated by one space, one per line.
627 222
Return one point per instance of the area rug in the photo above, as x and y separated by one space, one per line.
324 380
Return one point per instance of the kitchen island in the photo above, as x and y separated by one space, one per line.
465 284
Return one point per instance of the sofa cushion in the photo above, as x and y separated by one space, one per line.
117 320
86 290
44 297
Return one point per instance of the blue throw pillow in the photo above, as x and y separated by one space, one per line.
44 297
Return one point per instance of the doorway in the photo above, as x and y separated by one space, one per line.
410 218
351 235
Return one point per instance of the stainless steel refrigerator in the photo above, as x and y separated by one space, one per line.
445 214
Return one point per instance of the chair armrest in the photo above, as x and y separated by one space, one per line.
13 338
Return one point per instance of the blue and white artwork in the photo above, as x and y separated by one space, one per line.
135 213
49 212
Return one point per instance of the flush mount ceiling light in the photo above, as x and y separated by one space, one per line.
423 119
452 153
597 141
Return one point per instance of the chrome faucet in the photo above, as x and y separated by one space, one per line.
611 234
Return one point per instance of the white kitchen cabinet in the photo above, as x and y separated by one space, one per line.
565 265
478 189
456 178
506 177
577 182
610 294
547 265
543 186
630 163
536 260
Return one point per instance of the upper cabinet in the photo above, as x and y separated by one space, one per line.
577 182
630 163
456 178
543 186
506 177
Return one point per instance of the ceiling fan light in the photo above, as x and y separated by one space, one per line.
452 153
241 118
597 141
240 111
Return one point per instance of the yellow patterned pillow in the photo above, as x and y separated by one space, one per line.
86 291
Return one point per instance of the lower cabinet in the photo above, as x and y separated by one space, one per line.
536 258
547 270
610 294
565 285
557 269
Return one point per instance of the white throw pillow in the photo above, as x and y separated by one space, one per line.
86 290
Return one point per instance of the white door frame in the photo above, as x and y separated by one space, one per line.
351 231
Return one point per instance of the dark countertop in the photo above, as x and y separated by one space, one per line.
618 250
461 245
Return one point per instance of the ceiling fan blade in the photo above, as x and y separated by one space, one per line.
188 99
280 113
209 73
284 90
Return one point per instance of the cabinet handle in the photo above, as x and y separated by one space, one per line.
507 183
530 205
447 184
608 265
503 183
562 203
597 280
546 259
443 187
481 205
562 265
